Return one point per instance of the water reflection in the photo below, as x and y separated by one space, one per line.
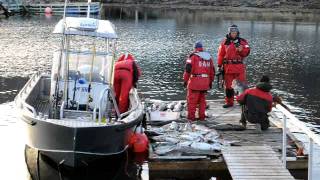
161 40
10 86
286 50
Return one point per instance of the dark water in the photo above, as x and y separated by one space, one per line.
288 51
285 50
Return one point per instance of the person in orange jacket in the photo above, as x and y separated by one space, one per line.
198 76
126 75
231 54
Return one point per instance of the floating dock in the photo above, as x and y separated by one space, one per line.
14 6
254 151
58 8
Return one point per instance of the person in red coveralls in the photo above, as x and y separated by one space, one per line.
126 76
257 102
198 76
231 54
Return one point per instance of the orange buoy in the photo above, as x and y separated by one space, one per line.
139 142
48 10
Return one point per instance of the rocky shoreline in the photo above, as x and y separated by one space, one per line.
216 8
282 6
279 6
305 4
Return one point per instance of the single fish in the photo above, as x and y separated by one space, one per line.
162 107
191 136
174 126
165 138
184 144
185 137
183 114
171 105
156 144
202 146
154 107
155 131
187 127
178 107
239 86
162 150
172 140
212 137
200 128
195 134
206 146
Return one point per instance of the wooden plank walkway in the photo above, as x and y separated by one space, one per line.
249 137
254 162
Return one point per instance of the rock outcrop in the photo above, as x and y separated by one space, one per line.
309 4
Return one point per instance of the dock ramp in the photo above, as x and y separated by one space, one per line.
254 163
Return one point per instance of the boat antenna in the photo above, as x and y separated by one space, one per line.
64 11
60 56
88 10
90 75
74 102
113 63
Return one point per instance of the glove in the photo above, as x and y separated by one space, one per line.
210 85
185 84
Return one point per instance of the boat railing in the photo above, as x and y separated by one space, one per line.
313 137
30 108
102 94
94 114
20 101
61 109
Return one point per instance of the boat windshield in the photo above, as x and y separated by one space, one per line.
85 66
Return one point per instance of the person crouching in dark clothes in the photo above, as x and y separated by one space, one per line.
256 103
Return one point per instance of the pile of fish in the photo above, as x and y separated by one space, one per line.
162 111
175 106
183 139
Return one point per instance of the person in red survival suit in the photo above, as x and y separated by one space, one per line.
198 76
231 54
256 103
126 76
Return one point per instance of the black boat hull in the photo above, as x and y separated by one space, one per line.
76 147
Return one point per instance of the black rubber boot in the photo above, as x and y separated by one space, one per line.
229 98
227 105
243 121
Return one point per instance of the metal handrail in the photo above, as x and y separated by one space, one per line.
313 137
26 105
61 109
23 91
100 103
299 124
94 113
